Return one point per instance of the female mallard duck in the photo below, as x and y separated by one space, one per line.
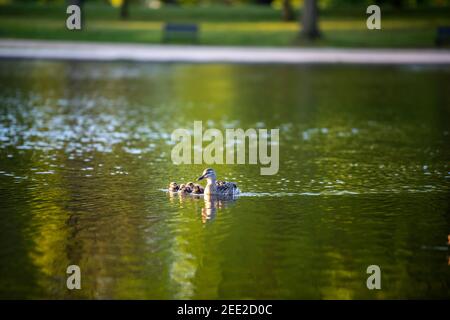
220 188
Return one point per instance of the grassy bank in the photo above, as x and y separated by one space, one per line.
246 25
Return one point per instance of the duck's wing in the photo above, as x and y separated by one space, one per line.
227 188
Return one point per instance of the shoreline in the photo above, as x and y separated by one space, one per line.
87 51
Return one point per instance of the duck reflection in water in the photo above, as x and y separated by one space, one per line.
212 204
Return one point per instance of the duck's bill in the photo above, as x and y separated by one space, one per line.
201 178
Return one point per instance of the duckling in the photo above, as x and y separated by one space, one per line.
184 189
190 185
198 189
173 187
214 187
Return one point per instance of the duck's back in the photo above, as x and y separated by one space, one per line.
227 188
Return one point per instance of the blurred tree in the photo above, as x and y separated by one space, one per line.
124 9
395 3
264 2
309 19
288 12
76 2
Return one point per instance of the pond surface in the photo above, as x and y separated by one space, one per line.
364 179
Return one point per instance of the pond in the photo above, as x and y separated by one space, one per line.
364 179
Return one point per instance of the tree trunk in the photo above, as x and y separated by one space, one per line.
288 13
78 3
309 19
124 9
398 4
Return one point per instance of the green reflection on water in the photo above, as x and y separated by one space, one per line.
364 179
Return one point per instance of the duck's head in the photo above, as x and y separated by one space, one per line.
190 185
173 186
184 189
207 174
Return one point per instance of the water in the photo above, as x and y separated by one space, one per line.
364 179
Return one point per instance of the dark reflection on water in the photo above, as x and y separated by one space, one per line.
364 179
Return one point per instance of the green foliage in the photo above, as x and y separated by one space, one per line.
273 3
219 25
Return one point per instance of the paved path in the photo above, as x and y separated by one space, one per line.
36 49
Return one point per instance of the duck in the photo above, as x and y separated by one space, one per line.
184 189
217 187
191 185
173 187
198 189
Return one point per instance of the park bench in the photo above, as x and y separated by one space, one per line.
180 32
443 36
